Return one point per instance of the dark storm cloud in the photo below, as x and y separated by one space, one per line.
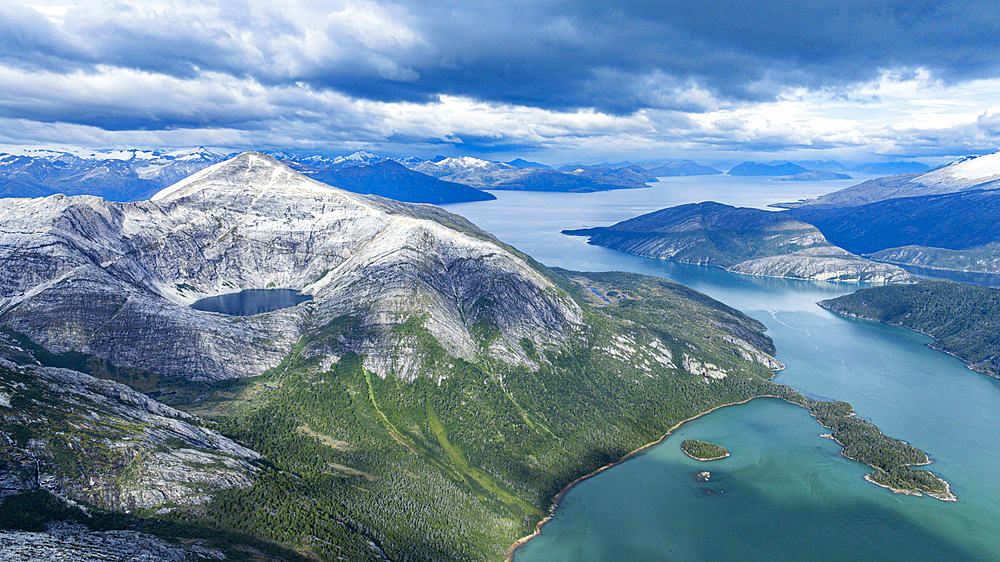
608 55
29 40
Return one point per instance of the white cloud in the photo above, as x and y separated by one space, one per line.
199 80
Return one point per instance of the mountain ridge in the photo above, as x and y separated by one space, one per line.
969 173
741 240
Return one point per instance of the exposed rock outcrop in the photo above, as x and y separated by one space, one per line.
102 443
72 541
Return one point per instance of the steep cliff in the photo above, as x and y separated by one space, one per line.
102 443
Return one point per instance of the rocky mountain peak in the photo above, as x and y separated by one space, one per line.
116 280
249 170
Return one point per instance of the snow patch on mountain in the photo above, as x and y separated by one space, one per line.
969 171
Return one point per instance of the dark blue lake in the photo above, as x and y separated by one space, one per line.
251 301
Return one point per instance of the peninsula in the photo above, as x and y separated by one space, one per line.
963 319
741 240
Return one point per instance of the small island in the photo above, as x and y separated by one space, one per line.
702 451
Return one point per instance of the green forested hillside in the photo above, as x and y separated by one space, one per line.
458 464
963 319
461 461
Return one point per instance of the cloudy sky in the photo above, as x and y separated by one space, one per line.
548 80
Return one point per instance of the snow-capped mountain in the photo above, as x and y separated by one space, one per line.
310 162
357 159
250 223
116 175
486 174
476 172
966 174
169 167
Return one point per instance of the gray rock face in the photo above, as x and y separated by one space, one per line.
985 258
833 264
115 280
101 442
66 541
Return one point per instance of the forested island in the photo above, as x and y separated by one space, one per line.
964 320
891 458
703 451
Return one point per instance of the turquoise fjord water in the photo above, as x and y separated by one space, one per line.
785 493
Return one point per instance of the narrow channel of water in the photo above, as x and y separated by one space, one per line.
974 278
785 493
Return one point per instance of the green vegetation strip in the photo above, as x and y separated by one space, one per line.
487 482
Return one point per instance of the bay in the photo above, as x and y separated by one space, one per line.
789 495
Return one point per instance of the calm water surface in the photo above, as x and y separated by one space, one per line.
251 301
785 493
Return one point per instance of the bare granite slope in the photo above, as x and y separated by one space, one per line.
115 280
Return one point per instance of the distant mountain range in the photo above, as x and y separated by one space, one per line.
945 218
133 174
679 168
485 174
121 175
788 171
758 169
874 168
659 168
391 179
813 170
